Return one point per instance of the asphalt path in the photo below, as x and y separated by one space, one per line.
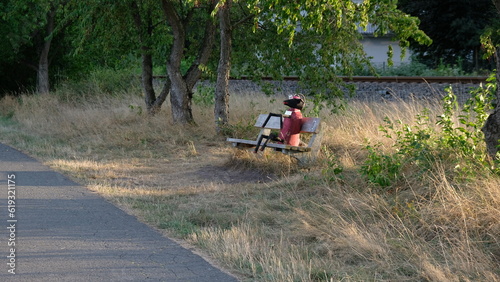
57 230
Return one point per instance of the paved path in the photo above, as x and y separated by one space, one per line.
64 232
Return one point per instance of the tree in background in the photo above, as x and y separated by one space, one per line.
491 41
167 30
30 28
143 14
455 27
316 41
124 29
221 97
183 17
319 40
13 74
231 20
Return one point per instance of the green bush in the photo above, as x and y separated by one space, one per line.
100 81
460 145
241 129
415 68
204 95
381 169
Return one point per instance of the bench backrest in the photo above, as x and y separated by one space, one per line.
309 124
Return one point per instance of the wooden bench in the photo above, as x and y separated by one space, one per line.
305 153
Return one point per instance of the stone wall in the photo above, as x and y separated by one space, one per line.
364 90
406 91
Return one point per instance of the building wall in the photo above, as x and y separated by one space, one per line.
377 47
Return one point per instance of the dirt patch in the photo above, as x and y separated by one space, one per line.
208 168
225 175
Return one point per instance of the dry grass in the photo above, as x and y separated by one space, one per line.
300 224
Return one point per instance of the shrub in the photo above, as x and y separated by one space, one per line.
458 144
100 81
204 95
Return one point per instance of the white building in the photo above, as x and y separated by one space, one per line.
377 48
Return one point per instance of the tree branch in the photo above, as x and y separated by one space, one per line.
178 31
194 72
247 18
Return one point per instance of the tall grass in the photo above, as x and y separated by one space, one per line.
327 222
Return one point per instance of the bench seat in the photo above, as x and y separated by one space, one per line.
279 147
309 125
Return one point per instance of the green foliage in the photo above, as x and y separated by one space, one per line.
204 95
135 109
413 147
322 41
100 81
380 168
113 81
467 21
415 68
333 168
313 40
241 129
418 147
6 114
490 38
466 138
24 30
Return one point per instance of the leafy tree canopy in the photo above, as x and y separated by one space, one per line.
455 28
320 40
23 26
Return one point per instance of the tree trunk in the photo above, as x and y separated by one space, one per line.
180 99
161 98
179 96
147 79
194 73
153 103
43 83
221 109
182 86
491 132
144 26
491 128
